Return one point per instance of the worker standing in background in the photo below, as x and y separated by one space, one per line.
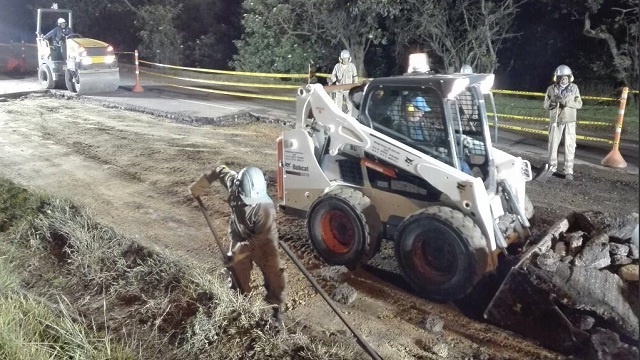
562 100
58 36
344 72
252 230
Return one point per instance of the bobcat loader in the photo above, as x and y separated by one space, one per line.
88 66
448 200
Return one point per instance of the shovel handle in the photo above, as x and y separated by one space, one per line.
213 231
226 258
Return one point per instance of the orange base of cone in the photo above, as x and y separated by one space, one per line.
137 87
614 159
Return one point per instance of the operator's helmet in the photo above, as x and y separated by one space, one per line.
466 69
562 70
251 186
419 103
345 56
61 21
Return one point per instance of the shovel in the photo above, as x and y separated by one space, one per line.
227 257
546 171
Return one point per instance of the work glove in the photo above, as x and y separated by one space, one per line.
197 188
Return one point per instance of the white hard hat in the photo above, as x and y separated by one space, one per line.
344 54
466 69
61 20
252 186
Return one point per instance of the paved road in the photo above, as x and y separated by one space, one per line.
160 97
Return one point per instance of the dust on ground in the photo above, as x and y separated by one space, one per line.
133 171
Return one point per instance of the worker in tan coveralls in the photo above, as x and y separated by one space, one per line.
344 72
252 230
562 100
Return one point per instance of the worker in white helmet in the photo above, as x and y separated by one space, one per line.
344 72
58 36
562 100
252 230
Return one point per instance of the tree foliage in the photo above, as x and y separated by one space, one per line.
457 32
614 24
307 31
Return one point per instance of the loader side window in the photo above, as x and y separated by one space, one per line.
413 116
468 129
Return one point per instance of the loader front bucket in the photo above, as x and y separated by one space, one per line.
560 302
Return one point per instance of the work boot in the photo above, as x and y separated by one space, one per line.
569 177
275 322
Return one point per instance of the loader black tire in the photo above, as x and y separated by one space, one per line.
45 76
434 253
344 227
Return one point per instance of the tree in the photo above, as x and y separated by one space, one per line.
614 24
458 32
307 30
621 32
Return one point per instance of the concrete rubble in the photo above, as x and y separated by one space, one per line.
576 291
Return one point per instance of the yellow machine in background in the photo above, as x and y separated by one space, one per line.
88 66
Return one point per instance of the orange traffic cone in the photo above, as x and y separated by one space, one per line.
137 87
614 158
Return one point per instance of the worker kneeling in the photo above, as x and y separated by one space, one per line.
252 230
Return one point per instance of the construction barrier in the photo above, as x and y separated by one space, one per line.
310 75
528 93
137 87
614 158
520 117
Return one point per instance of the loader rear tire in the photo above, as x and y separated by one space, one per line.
344 227
45 76
434 253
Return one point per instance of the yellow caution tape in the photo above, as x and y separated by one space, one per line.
520 117
293 76
285 98
544 132
511 92
528 93
272 86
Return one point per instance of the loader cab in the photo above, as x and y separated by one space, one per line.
442 116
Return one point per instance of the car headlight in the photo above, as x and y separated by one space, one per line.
86 61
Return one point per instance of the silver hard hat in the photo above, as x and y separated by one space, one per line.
562 70
252 186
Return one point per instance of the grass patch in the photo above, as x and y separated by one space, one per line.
142 298
16 204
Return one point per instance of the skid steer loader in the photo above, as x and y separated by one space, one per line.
87 66
416 167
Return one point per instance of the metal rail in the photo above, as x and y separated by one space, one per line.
361 341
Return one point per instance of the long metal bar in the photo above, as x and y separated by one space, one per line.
361 341
227 259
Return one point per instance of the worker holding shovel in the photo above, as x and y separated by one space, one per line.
562 99
252 230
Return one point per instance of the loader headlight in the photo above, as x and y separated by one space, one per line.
109 59
458 86
487 84
110 48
